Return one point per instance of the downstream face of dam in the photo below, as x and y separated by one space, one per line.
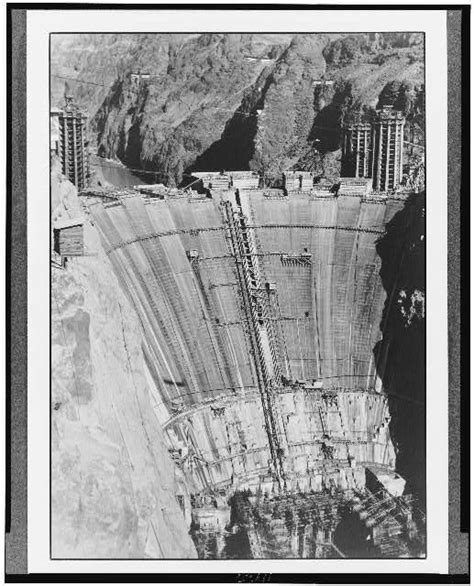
261 314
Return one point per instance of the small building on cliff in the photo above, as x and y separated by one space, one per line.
69 237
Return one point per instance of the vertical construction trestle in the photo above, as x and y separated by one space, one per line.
357 150
387 140
261 331
375 150
71 148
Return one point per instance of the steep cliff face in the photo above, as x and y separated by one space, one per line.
166 122
114 486
401 355
275 115
236 101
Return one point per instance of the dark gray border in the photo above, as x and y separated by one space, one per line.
458 542
16 539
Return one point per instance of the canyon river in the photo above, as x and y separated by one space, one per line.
116 174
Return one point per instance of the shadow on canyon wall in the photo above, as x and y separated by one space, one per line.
401 354
330 106
235 148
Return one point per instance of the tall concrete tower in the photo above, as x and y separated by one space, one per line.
387 145
357 150
71 143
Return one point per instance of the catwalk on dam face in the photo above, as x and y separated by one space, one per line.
318 278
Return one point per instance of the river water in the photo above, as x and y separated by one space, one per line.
116 174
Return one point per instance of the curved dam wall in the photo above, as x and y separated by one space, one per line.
317 256
331 309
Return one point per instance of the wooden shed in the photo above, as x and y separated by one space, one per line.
69 237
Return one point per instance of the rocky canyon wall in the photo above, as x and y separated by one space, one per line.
236 101
401 353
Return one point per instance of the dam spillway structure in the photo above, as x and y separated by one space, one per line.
260 311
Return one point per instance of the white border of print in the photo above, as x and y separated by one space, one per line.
39 25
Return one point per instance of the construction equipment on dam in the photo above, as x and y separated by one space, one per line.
375 150
260 329
69 141
260 317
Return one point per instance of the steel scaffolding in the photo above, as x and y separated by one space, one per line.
261 331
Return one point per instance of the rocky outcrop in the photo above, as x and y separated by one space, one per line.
114 486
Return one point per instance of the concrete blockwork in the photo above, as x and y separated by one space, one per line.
326 315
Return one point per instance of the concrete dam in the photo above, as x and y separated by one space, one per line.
261 312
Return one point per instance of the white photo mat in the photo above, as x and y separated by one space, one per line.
39 26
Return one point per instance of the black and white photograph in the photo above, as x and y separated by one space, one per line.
238 295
